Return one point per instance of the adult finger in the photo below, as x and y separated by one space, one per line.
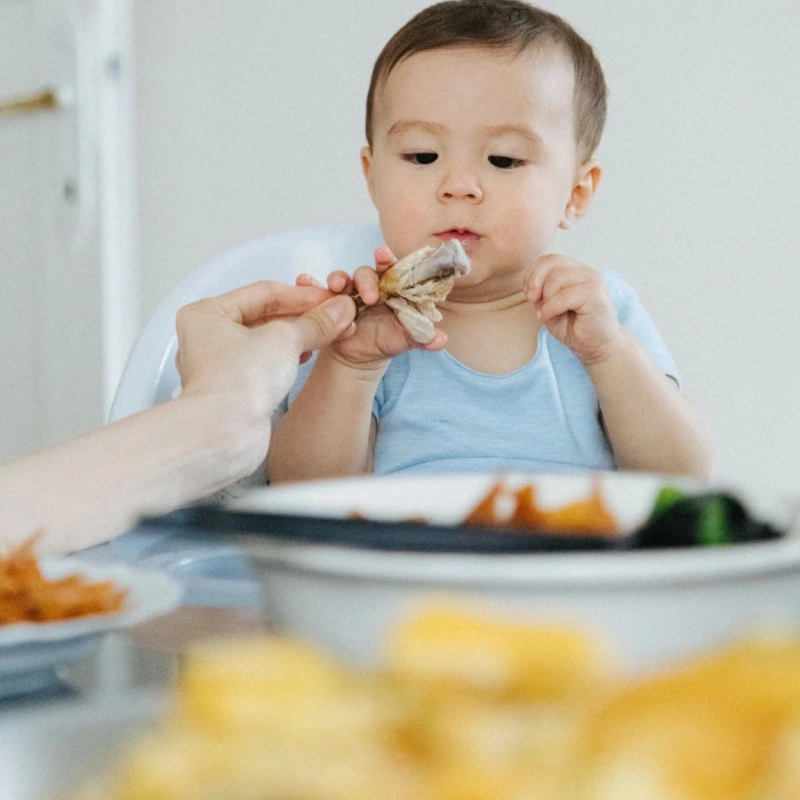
323 324
304 279
258 302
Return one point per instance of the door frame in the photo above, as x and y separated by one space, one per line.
114 71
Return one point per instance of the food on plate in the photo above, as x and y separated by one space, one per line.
589 516
469 706
710 518
678 518
413 286
26 595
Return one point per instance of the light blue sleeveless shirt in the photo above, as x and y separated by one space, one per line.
437 415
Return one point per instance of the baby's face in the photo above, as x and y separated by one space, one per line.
475 144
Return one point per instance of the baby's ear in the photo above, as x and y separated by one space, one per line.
587 179
366 168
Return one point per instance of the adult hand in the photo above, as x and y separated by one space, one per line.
247 343
237 357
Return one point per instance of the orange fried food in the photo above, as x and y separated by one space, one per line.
26 595
589 516
486 513
584 516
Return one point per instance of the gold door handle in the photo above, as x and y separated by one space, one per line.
46 99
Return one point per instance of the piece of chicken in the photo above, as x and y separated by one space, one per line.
413 286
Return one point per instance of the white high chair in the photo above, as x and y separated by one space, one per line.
150 376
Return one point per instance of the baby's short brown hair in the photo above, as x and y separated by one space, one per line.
503 24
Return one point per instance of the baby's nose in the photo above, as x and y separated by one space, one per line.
460 185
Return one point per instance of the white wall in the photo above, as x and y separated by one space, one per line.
250 117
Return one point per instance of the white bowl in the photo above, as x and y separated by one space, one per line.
651 606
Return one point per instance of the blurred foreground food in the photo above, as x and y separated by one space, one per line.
470 708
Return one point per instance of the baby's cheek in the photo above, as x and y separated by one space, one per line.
402 231
519 243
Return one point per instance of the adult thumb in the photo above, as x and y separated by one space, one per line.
323 324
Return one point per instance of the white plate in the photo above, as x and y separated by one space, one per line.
447 499
30 653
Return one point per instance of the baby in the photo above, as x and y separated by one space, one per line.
483 117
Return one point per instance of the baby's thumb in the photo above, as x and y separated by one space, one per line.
384 258
321 325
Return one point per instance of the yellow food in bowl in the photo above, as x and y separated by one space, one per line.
473 708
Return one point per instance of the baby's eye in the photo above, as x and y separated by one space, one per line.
420 158
505 162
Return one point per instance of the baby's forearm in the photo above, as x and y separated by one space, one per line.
650 423
327 430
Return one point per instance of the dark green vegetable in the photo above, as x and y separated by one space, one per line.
713 526
710 519
667 497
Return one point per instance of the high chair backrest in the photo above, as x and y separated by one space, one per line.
150 376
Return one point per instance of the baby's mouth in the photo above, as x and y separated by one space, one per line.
467 237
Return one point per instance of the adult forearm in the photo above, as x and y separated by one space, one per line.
650 423
92 488
326 431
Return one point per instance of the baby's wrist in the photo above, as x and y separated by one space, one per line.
613 349
368 371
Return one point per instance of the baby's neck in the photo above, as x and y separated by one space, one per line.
495 337
480 306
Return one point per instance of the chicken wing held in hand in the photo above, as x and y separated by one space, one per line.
413 286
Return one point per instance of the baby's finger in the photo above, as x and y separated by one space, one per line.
340 282
576 298
528 289
384 258
365 280
439 341
538 274
562 276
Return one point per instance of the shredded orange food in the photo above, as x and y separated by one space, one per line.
589 516
28 596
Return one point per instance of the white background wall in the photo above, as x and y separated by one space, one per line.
250 118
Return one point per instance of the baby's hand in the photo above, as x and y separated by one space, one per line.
573 304
378 335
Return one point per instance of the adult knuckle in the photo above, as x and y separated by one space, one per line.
183 316
283 330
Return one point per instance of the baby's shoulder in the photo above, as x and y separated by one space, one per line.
620 291
614 280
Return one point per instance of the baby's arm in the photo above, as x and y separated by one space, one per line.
329 430
650 423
